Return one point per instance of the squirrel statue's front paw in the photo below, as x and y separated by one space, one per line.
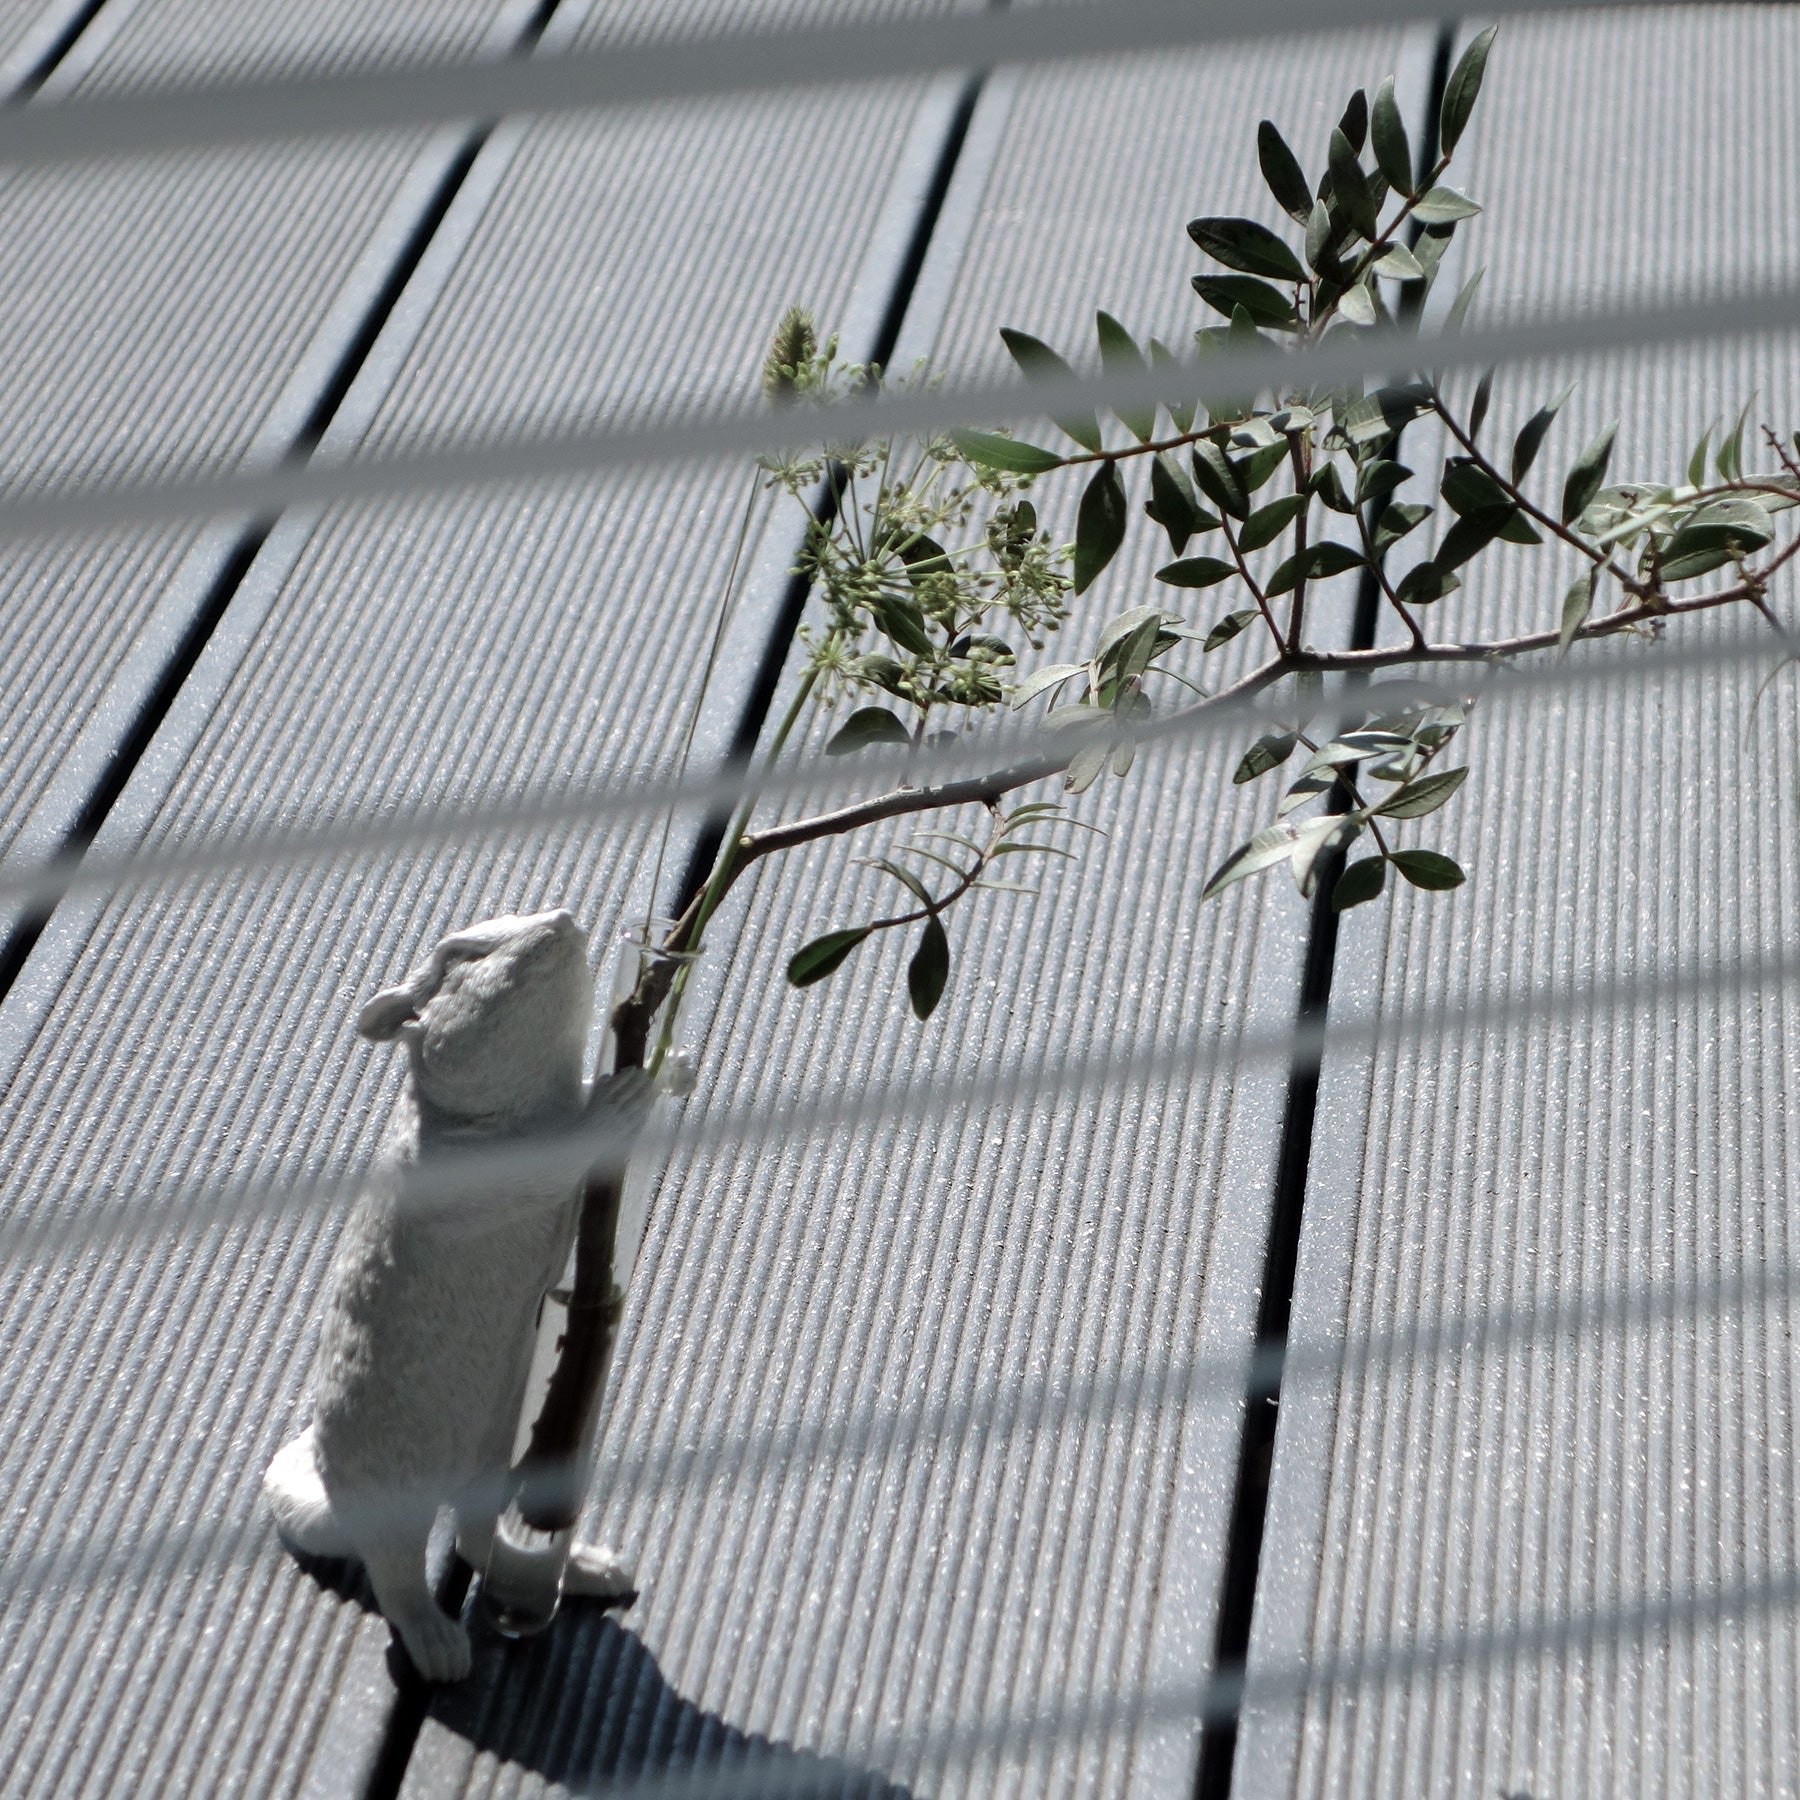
599 1573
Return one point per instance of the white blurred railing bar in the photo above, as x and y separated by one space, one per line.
1346 357
630 74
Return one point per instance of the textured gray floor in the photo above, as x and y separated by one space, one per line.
180 313
156 1638
906 1441
1566 1479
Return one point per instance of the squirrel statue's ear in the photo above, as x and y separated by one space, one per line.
388 1013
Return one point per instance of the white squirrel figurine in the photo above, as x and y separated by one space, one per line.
432 1319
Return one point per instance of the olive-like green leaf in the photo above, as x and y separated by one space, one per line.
1355 122
1038 362
1166 363
1229 626
814 961
1427 868
1398 263
867 725
929 970
1320 252
1121 359
1357 305
1282 171
883 671
1469 536
1288 574
906 877
1578 602
1099 525
1531 434
1468 488
923 556
1265 304
1393 153
1696 469
1739 520
1396 519
1351 186
1687 562
1715 536
1368 420
1085 766
1243 244
1173 504
1378 477
1314 843
1263 851
1043 680
1461 89
1478 407
902 620
1267 523
1587 474
1459 307
1425 583
993 451
1316 562
1429 248
1269 751
1329 486
1196 572
1127 624
1219 480
1444 206
1308 787
1256 469
1361 880
1730 462
1330 559
1423 796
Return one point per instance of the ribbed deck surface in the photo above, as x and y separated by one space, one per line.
178 314
383 658
1582 1480
28 29
906 1441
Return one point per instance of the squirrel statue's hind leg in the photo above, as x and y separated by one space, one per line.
297 1497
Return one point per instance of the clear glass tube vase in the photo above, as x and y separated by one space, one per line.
523 1583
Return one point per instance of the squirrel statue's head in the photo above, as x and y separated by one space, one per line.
495 1019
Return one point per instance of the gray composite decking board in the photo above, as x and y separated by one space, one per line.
1593 1475
181 313
29 30
906 1439
371 660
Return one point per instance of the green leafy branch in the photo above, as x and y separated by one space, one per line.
929 970
934 576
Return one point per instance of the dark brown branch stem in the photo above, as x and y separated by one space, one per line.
1302 474
1249 581
1554 526
1501 649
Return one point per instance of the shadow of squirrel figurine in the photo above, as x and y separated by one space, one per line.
430 1327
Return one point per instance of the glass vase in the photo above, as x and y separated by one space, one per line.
523 1583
